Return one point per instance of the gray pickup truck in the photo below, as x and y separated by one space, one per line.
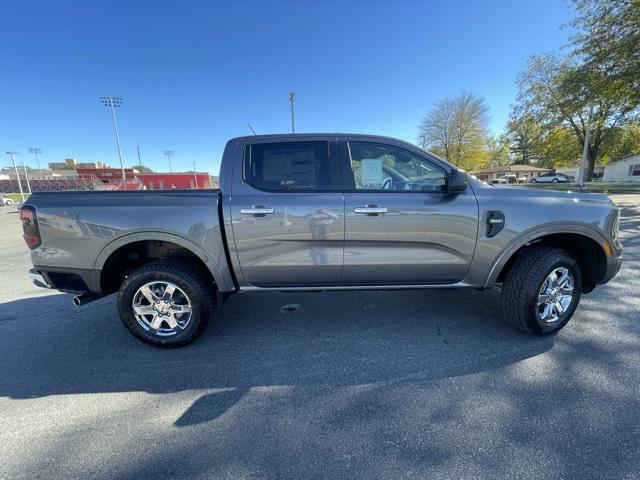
321 212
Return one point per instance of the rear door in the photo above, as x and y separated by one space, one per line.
401 224
287 212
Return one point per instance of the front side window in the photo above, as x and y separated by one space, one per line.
634 170
384 167
287 166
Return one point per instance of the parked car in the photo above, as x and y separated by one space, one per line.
5 200
551 177
316 212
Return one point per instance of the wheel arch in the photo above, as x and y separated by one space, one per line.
584 243
134 242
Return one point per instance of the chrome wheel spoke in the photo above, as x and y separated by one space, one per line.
171 320
546 313
148 294
181 308
156 323
144 310
168 292
563 279
566 292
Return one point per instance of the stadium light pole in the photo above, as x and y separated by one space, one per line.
292 98
36 151
13 160
195 175
113 102
169 154
26 177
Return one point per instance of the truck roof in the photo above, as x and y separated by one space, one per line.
305 135
367 136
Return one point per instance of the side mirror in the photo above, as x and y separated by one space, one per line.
458 181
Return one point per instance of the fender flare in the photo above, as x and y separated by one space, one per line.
536 234
148 235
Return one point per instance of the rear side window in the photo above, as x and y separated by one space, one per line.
288 166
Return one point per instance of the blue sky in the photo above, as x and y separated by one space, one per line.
192 74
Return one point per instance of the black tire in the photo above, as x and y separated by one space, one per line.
533 180
555 180
522 286
189 279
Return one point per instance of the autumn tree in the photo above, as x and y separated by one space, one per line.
456 128
559 93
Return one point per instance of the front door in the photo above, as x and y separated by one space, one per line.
287 213
401 224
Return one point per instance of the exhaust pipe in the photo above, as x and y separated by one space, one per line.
85 298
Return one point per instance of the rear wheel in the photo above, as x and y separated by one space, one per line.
533 180
555 180
166 303
541 290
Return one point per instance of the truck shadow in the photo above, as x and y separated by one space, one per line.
333 339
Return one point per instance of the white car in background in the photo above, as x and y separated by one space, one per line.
552 178
5 200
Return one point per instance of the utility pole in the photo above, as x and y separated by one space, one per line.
26 176
36 151
585 151
169 154
114 102
139 160
195 175
292 97
13 160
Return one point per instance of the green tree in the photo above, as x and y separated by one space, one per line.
497 151
456 128
608 40
525 132
143 169
559 93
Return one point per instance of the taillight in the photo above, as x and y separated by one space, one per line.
30 230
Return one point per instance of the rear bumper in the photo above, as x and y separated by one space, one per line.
37 279
71 280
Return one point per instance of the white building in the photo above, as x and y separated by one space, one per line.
524 172
625 170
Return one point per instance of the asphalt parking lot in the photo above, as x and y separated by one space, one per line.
415 384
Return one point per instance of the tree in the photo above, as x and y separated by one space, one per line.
524 132
143 169
560 93
456 128
497 151
608 40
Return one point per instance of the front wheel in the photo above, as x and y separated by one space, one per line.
541 290
534 181
166 303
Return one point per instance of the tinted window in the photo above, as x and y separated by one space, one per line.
384 167
288 166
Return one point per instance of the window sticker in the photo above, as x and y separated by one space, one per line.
371 172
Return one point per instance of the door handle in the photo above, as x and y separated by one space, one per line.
257 211
370 210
